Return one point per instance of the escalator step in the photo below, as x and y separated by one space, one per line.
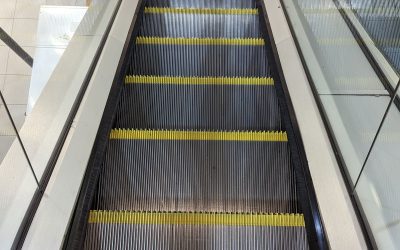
197 158
147 170
200 60
220 23
152 230
198 103
239 4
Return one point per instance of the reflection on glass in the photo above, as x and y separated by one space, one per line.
381 20
354 121
353 97
13 166
67 40
379 185
63 48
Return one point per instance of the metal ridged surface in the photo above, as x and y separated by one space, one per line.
201 181
239 4
200 60
198 107
192 25
128 236
215 176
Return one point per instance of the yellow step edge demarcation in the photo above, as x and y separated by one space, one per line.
205 11
199 80
182 218
200 41
132 134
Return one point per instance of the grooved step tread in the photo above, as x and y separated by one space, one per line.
131 134
199 80
200 41
190 218
205 11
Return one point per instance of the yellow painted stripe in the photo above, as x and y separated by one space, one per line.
162 218
130 134
206 11
200 41
199 80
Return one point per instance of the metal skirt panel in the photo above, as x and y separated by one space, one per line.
193 25
131 236
208 176
217 107
200 60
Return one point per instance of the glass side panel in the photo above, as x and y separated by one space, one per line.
63 39
378 188
353 97
13 167
381 19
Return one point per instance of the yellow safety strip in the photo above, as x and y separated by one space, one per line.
199 80
162 218
130 134
200 41
205 11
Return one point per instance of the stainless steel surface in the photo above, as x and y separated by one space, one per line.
192 25
210 176
201 176
200 107
127 236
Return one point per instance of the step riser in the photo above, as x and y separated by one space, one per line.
214 176
198 107
127 236
200 60
192 25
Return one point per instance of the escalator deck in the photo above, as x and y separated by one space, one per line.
198 157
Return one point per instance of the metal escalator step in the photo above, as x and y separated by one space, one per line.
184 105
153 230
200 41
200 23
239 4
147 170
200 60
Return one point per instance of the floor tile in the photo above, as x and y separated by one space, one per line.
2 79
5 144
28 8
17 66
7 8
16 89
18 114
6 25
24 31
6 128
65 2
3 59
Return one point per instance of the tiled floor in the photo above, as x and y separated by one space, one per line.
19 18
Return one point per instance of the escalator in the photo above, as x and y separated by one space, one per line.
198 155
